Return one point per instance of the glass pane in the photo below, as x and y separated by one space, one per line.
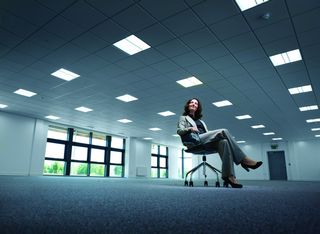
163 150
81 137
54 150
99 139
115 170
57 133
117 142
154 172
163 173
154 162
79 153
154 149
163 162
79 169
53 167
97 155
96 169
115 157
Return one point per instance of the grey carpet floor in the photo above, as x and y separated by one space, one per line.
118 205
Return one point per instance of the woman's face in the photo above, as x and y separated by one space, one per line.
193 105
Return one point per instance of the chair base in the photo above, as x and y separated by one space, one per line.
204 165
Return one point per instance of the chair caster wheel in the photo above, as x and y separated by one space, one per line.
191 184
225 184
206 183
217 184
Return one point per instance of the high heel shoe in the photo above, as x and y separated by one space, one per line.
233 185
246 167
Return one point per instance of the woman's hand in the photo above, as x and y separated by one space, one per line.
193 129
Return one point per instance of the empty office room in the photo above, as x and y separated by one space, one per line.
159 116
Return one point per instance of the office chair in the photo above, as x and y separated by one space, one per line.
200 149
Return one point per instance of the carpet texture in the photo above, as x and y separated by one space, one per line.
117 205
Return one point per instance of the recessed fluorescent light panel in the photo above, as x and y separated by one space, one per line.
126 98
175 135
241 142
52 117
268 133
277 139
243 117
300 89
308 108
25 93
125 120
65 74
3 106
147 138
222 103
247 4
155 129
131 45
315 129
313 120
258 126
287 57
317 135
83 109
189 82
166 113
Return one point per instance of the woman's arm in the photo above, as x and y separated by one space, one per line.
183 126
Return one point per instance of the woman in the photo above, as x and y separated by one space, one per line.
220 140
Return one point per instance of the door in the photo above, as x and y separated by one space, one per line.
277 165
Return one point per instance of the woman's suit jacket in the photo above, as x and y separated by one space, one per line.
186 122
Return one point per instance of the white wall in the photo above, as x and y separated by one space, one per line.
302 161
22 146
139 158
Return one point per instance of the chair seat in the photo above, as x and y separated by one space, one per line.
200 149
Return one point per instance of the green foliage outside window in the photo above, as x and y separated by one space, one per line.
53 167
96 170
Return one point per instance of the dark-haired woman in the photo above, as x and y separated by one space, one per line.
220 140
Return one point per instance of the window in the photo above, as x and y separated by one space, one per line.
159 161
83 153
184 163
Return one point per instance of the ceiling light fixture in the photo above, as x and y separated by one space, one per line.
241 142
65 74
155 129
313 120
258 126
166 113
240 117
83 109
308 108
286 57
268 133
3 106
124 120
189 82
52 117
222 103
300 89
25 93
247 4
131 45
127 98
277 139
315 129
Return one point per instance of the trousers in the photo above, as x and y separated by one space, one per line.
227 147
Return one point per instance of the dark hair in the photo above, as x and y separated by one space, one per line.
198 113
